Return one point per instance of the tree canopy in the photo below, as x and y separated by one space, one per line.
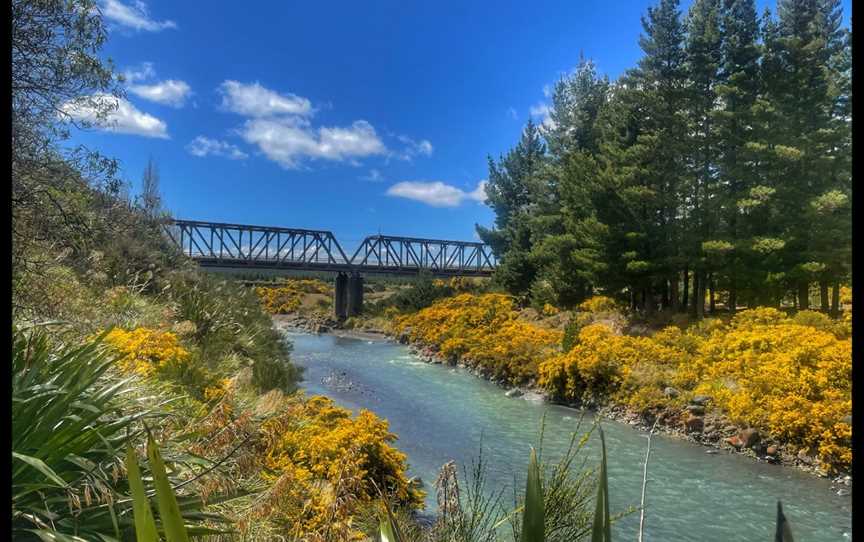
718 169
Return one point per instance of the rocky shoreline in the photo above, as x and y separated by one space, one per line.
696 423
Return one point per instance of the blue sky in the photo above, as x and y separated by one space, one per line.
355 117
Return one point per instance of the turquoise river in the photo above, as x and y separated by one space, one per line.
440 414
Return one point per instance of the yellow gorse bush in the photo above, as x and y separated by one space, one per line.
325 460
146 350
286 298
846 295
762 369
482 331
549 310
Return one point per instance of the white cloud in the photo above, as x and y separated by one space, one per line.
287 140
136 16
374 176
512 112
204 146
124 118
479 193
280 124
254 100
436 193
413 148
142 72
171 92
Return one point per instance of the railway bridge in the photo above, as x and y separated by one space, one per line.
247 247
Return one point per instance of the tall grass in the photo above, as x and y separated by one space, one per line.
73 424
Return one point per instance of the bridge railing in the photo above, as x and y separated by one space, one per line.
215 243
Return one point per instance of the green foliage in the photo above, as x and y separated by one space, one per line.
169 510
721 162
533 514
571 334
602 527
145 525
73 421
422 293
66 436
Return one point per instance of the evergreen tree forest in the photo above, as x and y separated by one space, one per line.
715 174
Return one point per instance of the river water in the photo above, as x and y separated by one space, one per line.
441 413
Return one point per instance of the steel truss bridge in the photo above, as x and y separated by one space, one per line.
239 246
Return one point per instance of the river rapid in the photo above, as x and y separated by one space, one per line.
441 413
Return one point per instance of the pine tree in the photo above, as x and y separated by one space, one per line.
703 49
803 133
576 101
647 153
508 193
737 90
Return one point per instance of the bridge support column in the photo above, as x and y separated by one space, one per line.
340 297
355 294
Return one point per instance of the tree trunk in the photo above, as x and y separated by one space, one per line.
733 297
664 299
823 296
684 296
694 311
699 298
673 293
646 300
803 296
712 306
835 300
632 299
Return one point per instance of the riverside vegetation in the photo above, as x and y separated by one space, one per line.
122 350
787 377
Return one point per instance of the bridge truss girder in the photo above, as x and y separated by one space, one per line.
214 244
236 244
397 254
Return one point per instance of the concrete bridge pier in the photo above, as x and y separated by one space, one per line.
355 294
340 297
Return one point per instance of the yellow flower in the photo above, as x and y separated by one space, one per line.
146 350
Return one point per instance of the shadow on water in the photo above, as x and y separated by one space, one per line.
440 414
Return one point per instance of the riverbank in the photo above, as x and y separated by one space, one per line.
696 423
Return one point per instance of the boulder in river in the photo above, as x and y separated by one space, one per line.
515 392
